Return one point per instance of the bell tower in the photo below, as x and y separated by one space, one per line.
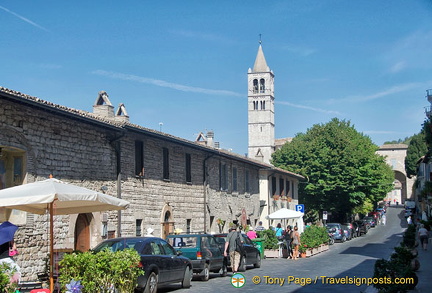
261 126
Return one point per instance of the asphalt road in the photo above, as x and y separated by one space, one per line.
343 262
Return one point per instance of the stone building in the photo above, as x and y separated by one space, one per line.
171 183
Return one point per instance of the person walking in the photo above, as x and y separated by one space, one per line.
231 248
424 236
287 236
295 236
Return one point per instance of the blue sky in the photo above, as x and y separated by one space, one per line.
184 63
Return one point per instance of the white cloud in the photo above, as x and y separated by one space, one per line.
165 84
308 108
25 19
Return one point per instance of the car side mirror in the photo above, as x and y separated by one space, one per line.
179 252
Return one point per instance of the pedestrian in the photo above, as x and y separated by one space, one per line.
423 235
7 251
149 232
259 227
409 221
383 219
295 238
279 232
251 234
287 236
231 248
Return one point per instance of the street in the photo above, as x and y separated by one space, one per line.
347 262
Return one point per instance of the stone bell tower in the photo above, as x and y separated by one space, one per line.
261 126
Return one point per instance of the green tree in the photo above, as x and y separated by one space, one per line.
416 149
341 165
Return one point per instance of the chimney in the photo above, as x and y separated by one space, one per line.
210 138
121 114
103 106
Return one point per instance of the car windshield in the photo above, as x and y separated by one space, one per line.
117 244
182 241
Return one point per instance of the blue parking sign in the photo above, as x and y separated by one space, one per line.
300 208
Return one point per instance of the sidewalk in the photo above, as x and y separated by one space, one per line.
424 274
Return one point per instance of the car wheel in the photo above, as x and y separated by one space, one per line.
187 278
224 270
242 266
343 239
151 285
205 274
257 264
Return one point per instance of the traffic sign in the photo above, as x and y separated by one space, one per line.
324 215
300 208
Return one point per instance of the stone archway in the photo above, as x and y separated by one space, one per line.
167 221
82 232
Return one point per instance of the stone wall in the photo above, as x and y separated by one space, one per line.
83 153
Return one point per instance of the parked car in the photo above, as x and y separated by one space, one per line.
376 215
252 255
159 260
203 251
347 231
337 231
370 220
361 227
351 229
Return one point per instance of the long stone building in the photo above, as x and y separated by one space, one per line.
171 183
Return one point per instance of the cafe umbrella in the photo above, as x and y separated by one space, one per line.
58 198
7 232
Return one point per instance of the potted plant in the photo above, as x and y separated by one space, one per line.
271 247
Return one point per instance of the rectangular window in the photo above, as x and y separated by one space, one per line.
138 227
223 177
281 186
139 158
273 187
188 225
287 184
188 168
247 187
166 174
234 179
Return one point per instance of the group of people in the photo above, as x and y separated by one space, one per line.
291 238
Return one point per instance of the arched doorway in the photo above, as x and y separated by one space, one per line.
167 221
82 232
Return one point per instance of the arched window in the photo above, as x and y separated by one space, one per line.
262 85
255 86
263 105
255 105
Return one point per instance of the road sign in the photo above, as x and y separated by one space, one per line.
300 208
324 215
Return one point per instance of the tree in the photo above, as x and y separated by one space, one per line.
341 165
416 149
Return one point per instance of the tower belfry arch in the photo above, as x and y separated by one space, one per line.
261 125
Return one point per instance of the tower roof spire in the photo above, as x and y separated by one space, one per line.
260 62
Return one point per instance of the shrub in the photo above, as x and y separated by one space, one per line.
314 236
270 239
100 272
6 273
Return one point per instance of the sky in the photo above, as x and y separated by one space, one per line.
181 66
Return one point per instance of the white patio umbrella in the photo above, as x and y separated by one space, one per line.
59 198
285 214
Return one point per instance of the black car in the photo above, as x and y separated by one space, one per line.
251 255
161 263
203 251
370 221
361 227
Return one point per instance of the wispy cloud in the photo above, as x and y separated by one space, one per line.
165 84
410 52
23 18
393 90
308 108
